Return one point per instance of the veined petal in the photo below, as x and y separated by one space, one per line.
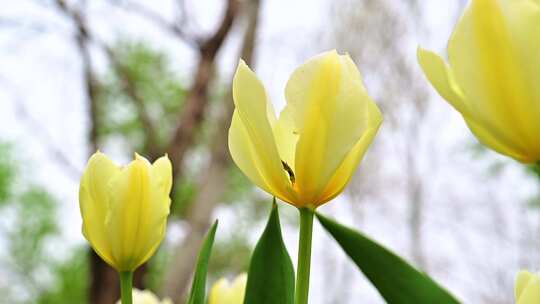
522 17
94 201
496 142
348 167
440 76
330 108
251 139
484 61
137 215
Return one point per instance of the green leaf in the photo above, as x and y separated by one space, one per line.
271 272
198 289
397 281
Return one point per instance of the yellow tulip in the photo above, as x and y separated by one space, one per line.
225 292
308 155
147 297
124 209
527 289
493 74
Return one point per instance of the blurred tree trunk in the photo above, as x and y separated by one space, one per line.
212 184
197 99
104 287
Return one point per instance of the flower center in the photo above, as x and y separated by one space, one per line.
289 171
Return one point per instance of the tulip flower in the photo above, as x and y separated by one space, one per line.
147 297
527 289
225 292
493 74
307 155
124 210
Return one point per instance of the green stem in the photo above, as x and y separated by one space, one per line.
304 256
126 281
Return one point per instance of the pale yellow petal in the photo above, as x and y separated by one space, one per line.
347 169
330 108
286 135
440 76
94 201
496 141
137 217
522 280
251 139
531 292
223 292
486 66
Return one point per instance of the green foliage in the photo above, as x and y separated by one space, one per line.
184 193
70 280
397 281
34 222
27 226
198 288
231 256
141 88
271 272
237 185
7 173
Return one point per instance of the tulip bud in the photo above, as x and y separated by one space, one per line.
124 209
225 292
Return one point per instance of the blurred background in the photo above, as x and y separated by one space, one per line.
154 77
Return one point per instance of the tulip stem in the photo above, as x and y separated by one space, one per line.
304 256
126 281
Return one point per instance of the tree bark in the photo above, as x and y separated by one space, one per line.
212 184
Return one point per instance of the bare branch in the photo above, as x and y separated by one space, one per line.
175 29
197 99
40 131
212 186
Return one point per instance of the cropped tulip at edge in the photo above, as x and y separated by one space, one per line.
146 297
306 156
527 288
493 74
225 292
124 208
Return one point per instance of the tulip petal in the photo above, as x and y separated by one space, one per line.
94 201
522 280
286 135
251 140
531 292
440 76
348 167
330 109
137 216
496 142
483 58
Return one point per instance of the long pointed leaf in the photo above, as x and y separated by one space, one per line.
198 288
397 281
271 272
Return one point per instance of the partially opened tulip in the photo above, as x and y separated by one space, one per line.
492 77
307 156
527 289
226 292
124 210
